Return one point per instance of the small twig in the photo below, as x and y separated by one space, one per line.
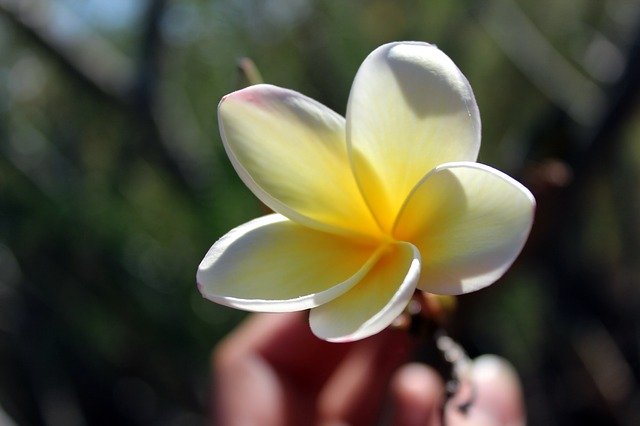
461 365
248 72
425 317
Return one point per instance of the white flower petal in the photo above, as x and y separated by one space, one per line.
291 152
410 109
272 264
374 302
469 222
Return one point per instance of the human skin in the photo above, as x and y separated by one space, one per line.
273 371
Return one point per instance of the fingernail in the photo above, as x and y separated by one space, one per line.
498 390
491 396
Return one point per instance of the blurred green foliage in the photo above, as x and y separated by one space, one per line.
114 183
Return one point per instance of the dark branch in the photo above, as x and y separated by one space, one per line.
107 74
85 62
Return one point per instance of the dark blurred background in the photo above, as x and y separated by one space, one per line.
114 183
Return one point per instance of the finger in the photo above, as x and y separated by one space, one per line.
241 374
270 369
417 393
266 332
247 391
295 352
498 396
499 389
285 342
355 392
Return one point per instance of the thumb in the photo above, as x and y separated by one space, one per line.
497 396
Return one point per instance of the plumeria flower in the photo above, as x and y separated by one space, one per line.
368 208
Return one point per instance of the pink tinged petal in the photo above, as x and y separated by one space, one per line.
272 264
410 109
374 302
291 152
469 222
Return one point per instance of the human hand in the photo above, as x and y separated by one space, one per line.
273 371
